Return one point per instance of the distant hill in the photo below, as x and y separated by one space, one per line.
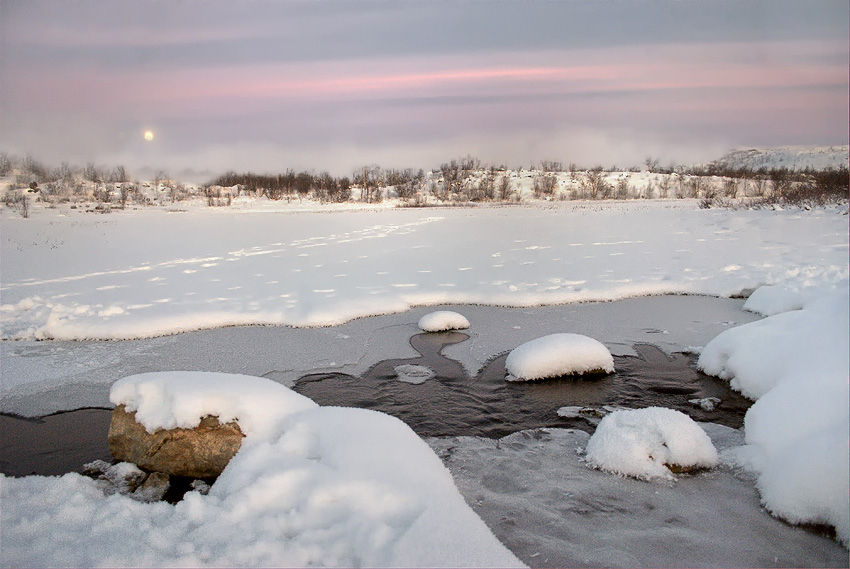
791 157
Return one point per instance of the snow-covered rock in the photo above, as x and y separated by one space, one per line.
558 354
442 320
645 443
200 452
166 400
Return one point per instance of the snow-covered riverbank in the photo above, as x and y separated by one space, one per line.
146 273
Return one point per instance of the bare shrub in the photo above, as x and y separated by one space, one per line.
594 186
544 186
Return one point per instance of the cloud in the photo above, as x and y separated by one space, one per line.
335 85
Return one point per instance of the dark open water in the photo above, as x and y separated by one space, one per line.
448 402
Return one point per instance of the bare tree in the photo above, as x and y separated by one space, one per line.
371 179
5 164
594 185
781 182
544 186
504 190
624 188
651 164
664 186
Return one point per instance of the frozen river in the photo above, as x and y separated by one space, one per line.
530 487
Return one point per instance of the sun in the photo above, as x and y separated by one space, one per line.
148 135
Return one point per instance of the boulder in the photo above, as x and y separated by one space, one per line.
201 452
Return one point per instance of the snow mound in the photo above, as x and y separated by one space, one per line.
795 364
775 299
310 486
442 320
644 443
558 354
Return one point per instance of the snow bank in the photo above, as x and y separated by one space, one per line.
775 299
798 431
310 486
442 320
558 354
644 442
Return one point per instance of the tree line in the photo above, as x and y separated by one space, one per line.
462 180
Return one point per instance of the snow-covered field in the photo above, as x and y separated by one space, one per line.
68 275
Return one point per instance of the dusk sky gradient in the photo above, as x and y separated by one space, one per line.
271 85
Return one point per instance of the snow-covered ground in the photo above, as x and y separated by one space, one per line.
149 272
143 273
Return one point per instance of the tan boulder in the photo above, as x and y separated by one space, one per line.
201 452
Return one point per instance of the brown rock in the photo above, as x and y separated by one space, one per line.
202 452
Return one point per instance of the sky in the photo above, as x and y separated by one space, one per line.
336 85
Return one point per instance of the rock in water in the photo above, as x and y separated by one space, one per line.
201 452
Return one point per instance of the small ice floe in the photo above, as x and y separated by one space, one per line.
706 403
443 320
650 444
590 414
556 355
416 374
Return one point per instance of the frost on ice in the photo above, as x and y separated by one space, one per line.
442 320
645 443
558 354
310 486
795 364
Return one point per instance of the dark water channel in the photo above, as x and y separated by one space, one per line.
453 403
431 393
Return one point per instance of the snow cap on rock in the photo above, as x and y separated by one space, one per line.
558 354
166 400
643 443
442 320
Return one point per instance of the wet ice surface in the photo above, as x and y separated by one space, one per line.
539 498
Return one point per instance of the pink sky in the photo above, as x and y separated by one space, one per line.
101 88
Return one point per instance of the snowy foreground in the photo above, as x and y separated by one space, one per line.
301 492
